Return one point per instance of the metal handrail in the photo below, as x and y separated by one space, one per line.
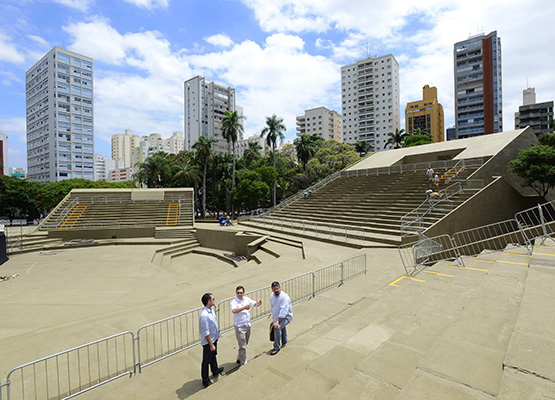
61 218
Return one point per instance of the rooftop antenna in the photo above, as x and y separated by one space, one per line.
367 52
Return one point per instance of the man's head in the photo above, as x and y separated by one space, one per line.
240 291
276 288
208 300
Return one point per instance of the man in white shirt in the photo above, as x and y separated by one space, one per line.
240 307
282 313
209 335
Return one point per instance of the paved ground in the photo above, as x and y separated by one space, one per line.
480 332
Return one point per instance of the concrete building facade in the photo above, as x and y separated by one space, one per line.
535 115
243 144
370 100
205 106
3 154
122 147
102 167
478 86
426 114
60 117
328 124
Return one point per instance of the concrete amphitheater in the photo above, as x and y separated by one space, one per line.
475 327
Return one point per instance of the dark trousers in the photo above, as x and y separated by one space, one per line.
208 358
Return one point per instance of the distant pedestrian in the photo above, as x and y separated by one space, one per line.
209 335
428 193
282 314
436 180
240 307
430 174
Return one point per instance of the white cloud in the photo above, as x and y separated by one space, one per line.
219 40
9 78
81 5
39 40
149 4
8 50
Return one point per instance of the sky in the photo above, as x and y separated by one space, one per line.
281 56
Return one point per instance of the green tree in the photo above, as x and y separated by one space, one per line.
232 128
331 157
185 172
18 198
155 171
416 140
536 166
274 132
363 147
547 139
203 149
306 146
396 139
251 191
251 155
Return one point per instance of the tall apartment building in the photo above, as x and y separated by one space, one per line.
60 117
370 100
478 81
205 106
102 167
535 115
243 145
122 147
3 154
426 114
328 124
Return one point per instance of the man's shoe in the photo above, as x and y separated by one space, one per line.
219 371
207 384
274 352
238 362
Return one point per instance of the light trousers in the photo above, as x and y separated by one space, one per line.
243 334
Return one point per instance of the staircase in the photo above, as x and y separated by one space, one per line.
373 203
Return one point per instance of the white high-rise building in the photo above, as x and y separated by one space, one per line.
328 124
3 154
205 106
370 100
122 147
60 128
102 167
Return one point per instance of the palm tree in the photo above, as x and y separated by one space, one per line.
186 174
396 139
232 128
203 149
274 131
306 146
251 154
155 171
363 147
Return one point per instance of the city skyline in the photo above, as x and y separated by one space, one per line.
282 58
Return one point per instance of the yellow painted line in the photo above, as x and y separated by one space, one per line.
512 262
474 269
546 247
408 277
544 254
518 255
437 273
486 261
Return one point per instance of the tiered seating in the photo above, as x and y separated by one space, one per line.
375 203
96 208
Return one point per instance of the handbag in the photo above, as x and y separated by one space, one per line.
271 331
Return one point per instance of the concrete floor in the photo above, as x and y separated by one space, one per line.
482 332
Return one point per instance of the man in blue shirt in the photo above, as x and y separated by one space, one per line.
209 335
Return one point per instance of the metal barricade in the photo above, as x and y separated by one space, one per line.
74 371
489 238
166 337
428 251
537 222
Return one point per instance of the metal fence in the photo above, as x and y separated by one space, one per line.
65 375
528 225
538 222
166 337
490 237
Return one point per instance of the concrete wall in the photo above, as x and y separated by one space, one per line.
105 233
498 165
497 202
221 239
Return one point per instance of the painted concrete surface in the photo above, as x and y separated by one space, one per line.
479 332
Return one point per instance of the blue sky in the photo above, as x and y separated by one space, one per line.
282 56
